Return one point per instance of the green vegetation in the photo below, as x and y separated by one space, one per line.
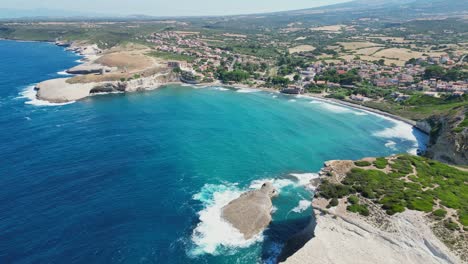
235 76
462 125
362 163
381 163
439 72
333 202
330 190
358 208
439 213
400 189
346 78
353 199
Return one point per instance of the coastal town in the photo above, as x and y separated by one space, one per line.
205 63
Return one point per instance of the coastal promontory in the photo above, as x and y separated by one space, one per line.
399 209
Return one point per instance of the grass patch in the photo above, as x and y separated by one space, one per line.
362 163
358 208
381 163
439 213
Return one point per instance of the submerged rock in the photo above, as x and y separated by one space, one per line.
251 212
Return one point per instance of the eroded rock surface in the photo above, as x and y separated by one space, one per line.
251 212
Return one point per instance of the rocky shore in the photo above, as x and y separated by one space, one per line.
92 76
341 236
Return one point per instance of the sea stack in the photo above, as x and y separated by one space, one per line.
251 212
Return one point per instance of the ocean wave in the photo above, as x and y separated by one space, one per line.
220 89
292 100
213 232
213 235
413 151
30 94
398 130
335 108
277 183
247 90
391 145
302 206
64 73
274 96
104 93
304 179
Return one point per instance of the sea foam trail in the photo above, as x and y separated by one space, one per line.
335 108
302 206
247 90
30 94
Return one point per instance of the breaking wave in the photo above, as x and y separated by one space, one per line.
30 94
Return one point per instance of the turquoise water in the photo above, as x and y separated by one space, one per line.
140 178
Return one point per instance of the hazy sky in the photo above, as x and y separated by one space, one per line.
168 7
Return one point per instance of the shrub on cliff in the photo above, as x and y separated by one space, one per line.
381 163
362 163
333 202
358 208
330 190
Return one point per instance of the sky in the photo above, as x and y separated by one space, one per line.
168 7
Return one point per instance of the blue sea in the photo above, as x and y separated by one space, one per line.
142 177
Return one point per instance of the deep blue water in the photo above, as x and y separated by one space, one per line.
139 178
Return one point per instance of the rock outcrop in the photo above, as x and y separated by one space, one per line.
340 239
60 91
89 68
251 212
446 144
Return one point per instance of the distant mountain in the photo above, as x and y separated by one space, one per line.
428 6
10 13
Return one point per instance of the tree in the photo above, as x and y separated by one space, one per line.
297 77
434 71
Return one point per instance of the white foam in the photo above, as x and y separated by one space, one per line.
274 96
359 113
305 178
315 102
213 231
247 90
335 108
221 89
64 73
399 130
390 144
30 94
104 93
292 100
302 206
413 151
277 183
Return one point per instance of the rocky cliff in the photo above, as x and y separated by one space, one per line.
448 138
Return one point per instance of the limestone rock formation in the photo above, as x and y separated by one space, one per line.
251 212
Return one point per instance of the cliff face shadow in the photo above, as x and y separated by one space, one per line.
284 238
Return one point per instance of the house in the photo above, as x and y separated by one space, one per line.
359 98
292 89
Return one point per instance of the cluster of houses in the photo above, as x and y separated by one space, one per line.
406 78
